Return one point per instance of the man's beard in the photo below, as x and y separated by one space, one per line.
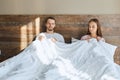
50 29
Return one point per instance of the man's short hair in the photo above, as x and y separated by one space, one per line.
50 18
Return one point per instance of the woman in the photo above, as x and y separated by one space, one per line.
94 30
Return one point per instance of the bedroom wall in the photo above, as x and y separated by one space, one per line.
59 6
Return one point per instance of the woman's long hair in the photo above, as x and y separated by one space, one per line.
99 33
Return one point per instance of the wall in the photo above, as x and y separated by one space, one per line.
16 32
59 6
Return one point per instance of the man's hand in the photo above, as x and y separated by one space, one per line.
53 39
41 38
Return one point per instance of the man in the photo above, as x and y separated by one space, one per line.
50 24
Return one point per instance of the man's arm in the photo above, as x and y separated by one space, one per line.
40 37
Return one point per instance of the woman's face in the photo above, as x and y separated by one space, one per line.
92 27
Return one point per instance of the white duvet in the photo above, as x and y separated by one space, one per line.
45 60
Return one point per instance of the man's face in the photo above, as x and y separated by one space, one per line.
50 24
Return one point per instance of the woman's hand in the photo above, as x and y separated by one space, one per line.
100 39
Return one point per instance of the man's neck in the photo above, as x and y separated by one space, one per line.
49 32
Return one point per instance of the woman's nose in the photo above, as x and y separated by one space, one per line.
90 28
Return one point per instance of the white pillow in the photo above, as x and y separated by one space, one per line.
74 39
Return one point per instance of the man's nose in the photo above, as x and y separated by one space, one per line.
50 24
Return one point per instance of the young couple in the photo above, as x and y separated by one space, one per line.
94 31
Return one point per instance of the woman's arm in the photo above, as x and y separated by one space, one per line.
100 39
85 37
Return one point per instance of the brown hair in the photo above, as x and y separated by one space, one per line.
50 18
99 33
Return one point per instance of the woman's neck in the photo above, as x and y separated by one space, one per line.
93 35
